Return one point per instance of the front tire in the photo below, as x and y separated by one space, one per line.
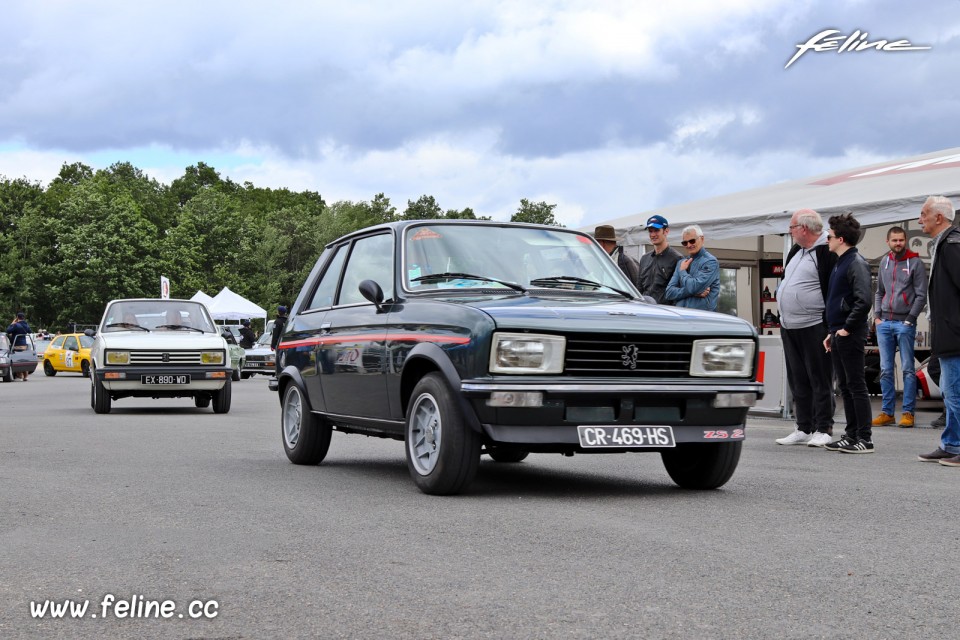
221 399
306 438
8 374
443 452
201 402
244 376
84 369
48 369
702 466
99 398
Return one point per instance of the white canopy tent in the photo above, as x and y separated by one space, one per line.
228 305
200 296
876 194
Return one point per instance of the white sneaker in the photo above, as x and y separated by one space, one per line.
819 439
797 437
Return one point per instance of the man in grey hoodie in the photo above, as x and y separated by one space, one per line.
899 300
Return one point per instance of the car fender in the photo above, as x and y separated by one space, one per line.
438 360
291 375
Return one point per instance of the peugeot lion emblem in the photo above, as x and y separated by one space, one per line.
629 357
165 357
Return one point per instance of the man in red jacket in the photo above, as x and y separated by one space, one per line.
899 300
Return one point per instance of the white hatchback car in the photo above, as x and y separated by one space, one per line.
157 348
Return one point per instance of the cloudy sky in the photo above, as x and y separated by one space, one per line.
605 108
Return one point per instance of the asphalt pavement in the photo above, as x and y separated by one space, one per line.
160 501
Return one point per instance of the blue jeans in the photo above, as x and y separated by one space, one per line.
893 335
950 386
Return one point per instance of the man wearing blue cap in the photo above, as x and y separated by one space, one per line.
657 266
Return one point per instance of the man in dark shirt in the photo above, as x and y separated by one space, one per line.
278 326
247 337
657 266
847 307
17 328
606 237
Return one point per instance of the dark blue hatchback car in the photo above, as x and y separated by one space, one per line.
464 338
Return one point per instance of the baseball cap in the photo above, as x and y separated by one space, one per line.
657 222
245 323
281 309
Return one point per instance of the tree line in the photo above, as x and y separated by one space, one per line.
89 237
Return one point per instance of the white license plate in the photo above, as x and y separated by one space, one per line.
166 379
627 437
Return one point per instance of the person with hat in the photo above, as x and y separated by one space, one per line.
606 236
247 337
278 326
657 266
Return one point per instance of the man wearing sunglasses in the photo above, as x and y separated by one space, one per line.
801 299
696 281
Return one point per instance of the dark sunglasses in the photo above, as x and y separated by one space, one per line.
690 242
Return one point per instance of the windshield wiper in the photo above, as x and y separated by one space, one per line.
177 326
127 325
575 280
452 275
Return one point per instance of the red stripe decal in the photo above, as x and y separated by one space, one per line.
390 337
760 362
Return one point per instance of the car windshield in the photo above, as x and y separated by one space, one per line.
264 340
452 256
156 315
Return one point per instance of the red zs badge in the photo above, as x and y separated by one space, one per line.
723 434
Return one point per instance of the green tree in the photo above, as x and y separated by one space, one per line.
425 208
535 213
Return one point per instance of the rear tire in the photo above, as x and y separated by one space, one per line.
244 376
221 399
48 369
99 398
702 466
443 452
8 374
201 402
84 369
306 438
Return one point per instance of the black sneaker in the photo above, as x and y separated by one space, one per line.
845 441
860 446
940 422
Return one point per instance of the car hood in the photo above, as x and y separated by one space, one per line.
259 351
605 314
161 340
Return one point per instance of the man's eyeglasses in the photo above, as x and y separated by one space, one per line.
688 242
794 226
830 236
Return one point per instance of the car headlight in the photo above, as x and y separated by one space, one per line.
118 357
527 353
211 357
722 358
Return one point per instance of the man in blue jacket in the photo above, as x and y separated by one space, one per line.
899 300
847 308
695 283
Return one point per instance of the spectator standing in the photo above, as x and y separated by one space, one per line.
801 299
278 326
19 327
848 308
695 283
936 219
657 267
247 337
899 300
606 236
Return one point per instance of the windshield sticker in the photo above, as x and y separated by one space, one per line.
425 234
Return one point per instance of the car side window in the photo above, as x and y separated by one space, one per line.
57 343
327 287
370 259
71 344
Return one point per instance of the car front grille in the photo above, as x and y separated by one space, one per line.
628 355
161 358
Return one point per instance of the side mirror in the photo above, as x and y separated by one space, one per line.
89 332
370 290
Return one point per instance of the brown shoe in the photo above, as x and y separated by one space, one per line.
950 462
906 421
883 419
935 456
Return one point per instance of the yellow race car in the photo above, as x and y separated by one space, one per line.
68 352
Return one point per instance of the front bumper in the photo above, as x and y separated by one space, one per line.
202 379
689 407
